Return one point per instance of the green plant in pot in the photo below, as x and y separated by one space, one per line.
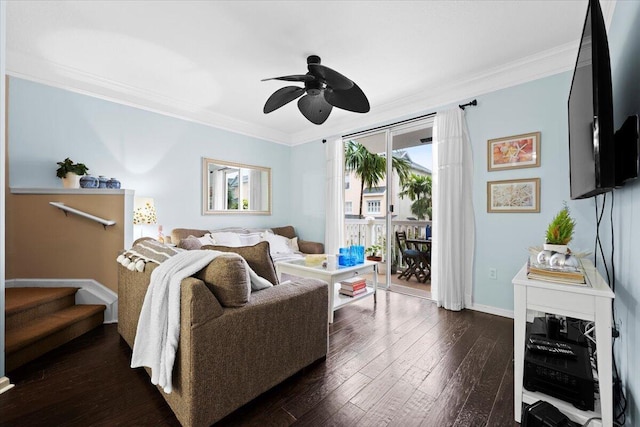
374 252
560 231
71 172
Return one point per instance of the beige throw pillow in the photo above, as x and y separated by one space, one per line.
228 279
257 256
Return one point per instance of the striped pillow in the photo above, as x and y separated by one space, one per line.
146 250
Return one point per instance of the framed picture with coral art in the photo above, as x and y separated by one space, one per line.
511 152
514 195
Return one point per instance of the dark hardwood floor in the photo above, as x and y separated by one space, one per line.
403 363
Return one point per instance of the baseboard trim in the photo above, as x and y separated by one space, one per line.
5 384
90 292
492 310
406 290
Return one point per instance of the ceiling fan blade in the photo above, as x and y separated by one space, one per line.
314 108
281 97
293 78
352 99
332 77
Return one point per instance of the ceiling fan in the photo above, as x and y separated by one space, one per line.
325 89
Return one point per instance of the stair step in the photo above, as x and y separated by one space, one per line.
25 343
23 305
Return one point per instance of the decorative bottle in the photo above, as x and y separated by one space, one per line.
113 183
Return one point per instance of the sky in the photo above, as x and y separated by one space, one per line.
421 154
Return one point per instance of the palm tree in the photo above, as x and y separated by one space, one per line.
371 168
418 189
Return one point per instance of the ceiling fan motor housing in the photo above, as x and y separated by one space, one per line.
313 59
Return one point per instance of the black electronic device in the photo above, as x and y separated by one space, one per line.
544 414
550 347
591 141
627 146
567 377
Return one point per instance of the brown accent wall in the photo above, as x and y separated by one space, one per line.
42 242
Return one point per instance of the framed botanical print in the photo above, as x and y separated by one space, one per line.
512 152
514 195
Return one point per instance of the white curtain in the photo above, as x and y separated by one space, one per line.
334 197
453 220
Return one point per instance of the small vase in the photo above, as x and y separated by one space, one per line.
88 181
113 183
71 180
562 249
102 181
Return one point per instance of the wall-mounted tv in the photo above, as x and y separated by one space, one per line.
627 146
591 141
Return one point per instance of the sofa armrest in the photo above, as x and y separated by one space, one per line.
308 247
247 350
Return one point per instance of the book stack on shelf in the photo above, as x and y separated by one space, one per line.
566 274
353 287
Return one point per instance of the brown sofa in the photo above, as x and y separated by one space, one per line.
227 356
288 231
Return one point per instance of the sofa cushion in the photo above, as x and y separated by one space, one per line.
224 238
257 256
287 231
250 239
228 279
190 243
279 244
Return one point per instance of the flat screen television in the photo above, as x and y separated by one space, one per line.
627 147
591 141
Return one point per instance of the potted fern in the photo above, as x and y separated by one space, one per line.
70 172
560 232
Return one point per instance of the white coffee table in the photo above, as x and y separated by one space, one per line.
333 277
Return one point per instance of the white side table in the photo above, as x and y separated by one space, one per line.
333 278
591 303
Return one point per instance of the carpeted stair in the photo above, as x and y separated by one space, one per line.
38 320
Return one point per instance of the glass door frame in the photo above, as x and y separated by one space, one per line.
389 132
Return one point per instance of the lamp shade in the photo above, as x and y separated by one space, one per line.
144 211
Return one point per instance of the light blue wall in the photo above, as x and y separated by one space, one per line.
502 239
155 155
308 190
624 43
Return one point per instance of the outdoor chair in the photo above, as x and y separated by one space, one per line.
413 258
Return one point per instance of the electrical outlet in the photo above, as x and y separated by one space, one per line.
493 273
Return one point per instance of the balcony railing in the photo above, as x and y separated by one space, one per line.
372 232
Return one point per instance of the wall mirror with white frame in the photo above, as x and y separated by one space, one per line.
231 188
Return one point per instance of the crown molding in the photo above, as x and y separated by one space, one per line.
68 78
553 61
533 67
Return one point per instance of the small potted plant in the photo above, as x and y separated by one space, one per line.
374 253
71 172
560 232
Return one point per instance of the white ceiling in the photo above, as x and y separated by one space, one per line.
204 60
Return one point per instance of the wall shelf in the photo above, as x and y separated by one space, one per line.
75 191
66 209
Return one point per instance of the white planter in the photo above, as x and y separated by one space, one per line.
71 180
563 249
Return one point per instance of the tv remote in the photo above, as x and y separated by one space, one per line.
551 350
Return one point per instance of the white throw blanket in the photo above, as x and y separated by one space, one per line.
158 330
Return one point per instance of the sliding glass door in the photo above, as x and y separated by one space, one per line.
382 198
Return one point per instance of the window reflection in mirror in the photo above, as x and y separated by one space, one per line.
235 188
